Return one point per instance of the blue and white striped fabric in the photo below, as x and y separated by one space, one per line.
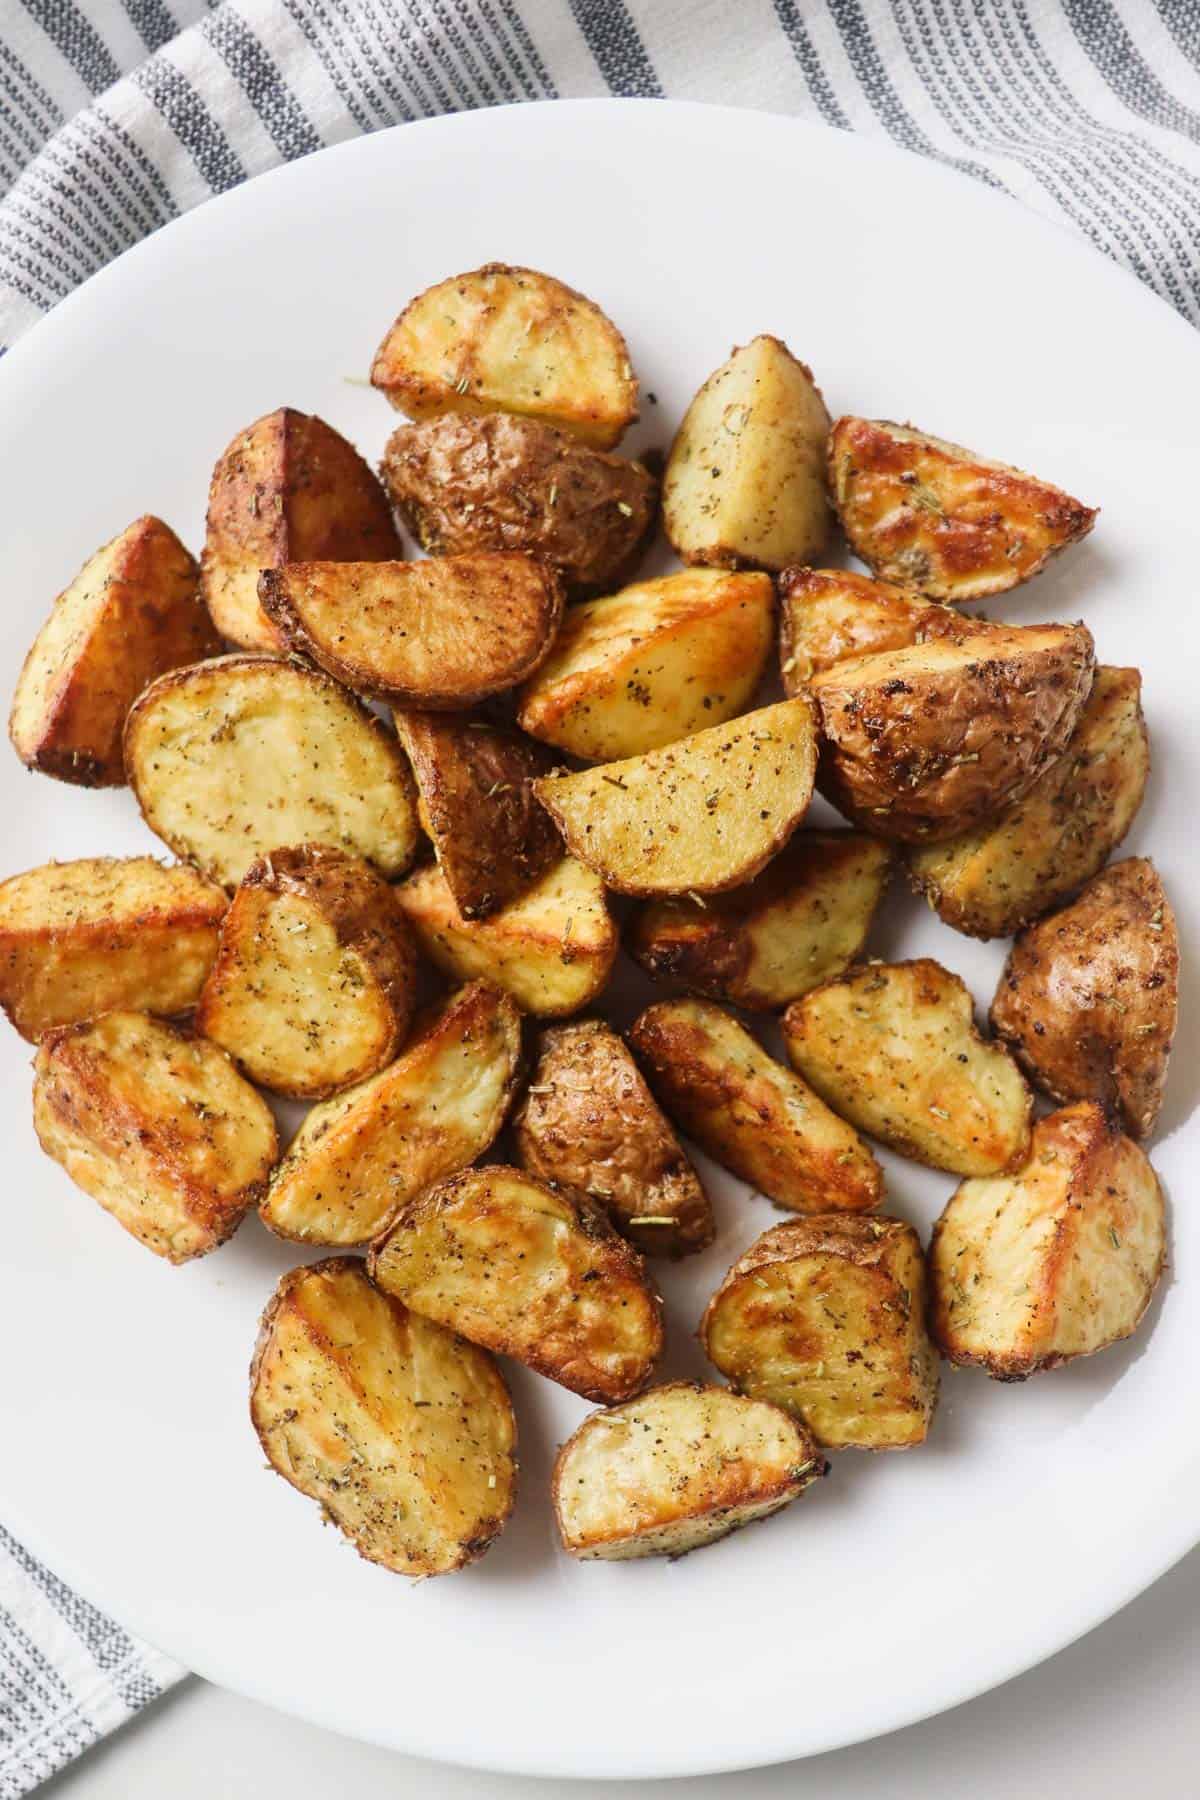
117 115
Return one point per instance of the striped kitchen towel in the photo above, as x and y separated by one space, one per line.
118 115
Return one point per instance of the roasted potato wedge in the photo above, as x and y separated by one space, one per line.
1039 851
589 1122
441 634
502 339
922 744
501 483
701 815
475 796
104 934
553 949
1057 1260
531 1271
828 615
404 1433
362 1156
157 1126
313 985
242 755
750 1113
920 510
132 612
1089 997
675 1469
893 1047
287 489
745 479
826 1318
798 924
652 664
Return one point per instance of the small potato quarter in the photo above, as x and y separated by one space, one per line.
829 615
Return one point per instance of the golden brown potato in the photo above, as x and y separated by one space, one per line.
441 634
553 949
502 339
745 480
359 1158
104 934
1057 1260
132 612
589 1122
530 1271
1089 997
1037 852
502 483
750 1113
826 1318
678 1468
922 744
920 510
157 1126
313 984
701 815
475 796
798 924
287 489
403 1433
652 664
827 615
242 755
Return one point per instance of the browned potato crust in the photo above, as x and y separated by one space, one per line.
502 483
132 612
920 510
312 988
589 1122
442 634
826 1318
287 489
104 934
827 615
530 1271
475 795
403 1433
798 924
1089 997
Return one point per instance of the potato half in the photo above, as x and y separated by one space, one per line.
242 755
745 480
589 1122
531 1271
157 1126
442 634
701 815
922 744
675 1469
503 339
920 510
826 1318
1054 1261
1089 997
798 924
359 1158
652 664
287 489
750 1113
313 985
893 1047
104 934
402 1432
827 615
133 611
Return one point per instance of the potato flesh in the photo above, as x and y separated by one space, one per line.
828 615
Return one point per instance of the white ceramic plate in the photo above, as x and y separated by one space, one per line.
903 1584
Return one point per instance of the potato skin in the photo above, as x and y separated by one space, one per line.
1089 998
132 612
497 482
588 1122
828 615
